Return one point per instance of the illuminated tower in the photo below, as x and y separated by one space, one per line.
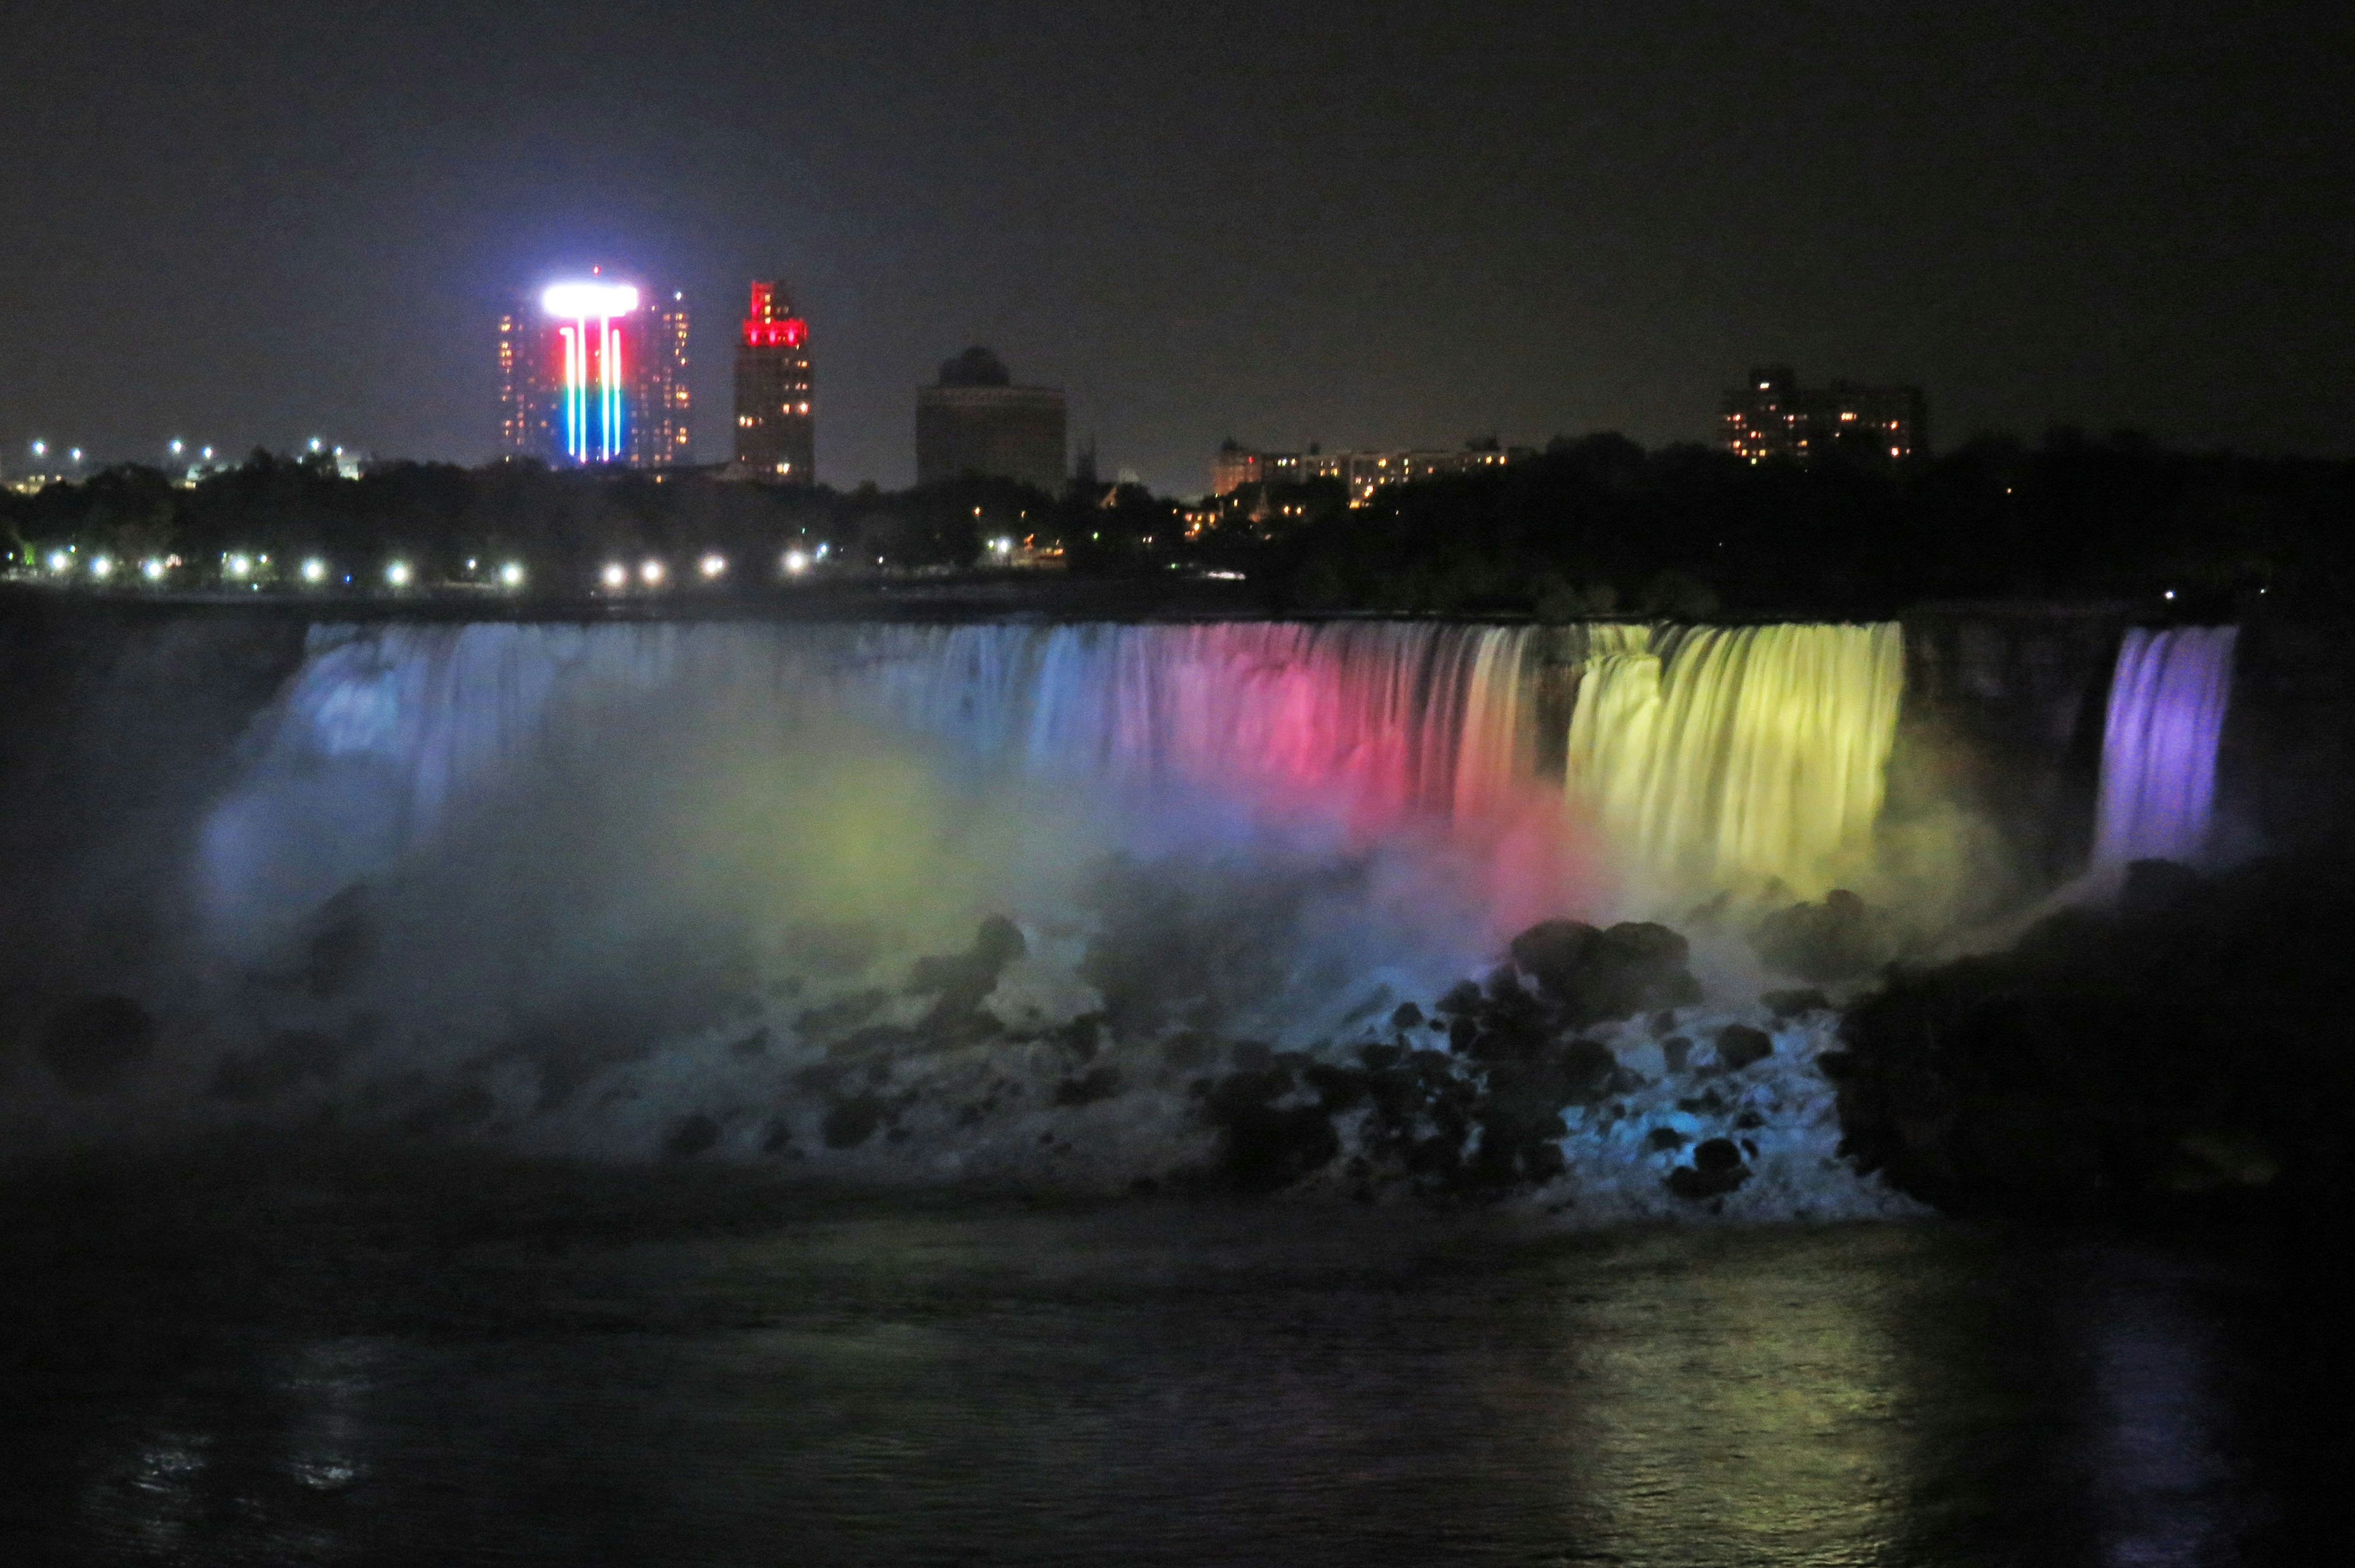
594 372
777 434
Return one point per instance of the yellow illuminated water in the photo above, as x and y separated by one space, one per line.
1717 757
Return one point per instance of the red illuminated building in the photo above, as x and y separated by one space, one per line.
776 434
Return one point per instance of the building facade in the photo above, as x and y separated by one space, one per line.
1772 416
974 420
776 432
594 372
1361 474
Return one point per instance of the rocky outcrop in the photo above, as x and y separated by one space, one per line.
2177 1052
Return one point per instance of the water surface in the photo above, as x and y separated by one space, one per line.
410 1363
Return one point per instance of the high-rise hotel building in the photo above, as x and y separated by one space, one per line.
593 371
777 434
1774 417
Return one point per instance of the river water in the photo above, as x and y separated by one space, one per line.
270 1359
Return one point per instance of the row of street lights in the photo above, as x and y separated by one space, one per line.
248 569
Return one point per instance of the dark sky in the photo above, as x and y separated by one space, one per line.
1359 223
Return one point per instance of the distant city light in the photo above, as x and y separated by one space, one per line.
398 574
208 454
821 552
61 561
470 563
314 571
616 575
40 449
152 570
581 300
314 443
2171 593
795 562
102 567
177 447
713 565
511 575
1002 545
75 455
650 572
240 566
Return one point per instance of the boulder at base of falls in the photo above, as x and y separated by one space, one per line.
2099 1066
94 1043
1591 975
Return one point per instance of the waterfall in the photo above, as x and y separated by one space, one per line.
1368 728
1715 756
2168 699
1705 757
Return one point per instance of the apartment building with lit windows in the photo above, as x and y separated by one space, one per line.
1772 416
776 431
1361 474
593 371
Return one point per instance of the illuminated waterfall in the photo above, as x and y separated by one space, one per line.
2168 699
1709 757
1723 756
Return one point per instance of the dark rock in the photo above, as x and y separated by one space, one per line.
1086 1089
457 1110
849 1123
1716 1170
778 1138
692 1136
1081 1038
2060 1079
1250 1056
91 1044
1406 1017
1676 1050
1186 1051
819 1077
1795 1003
1716 1155
1838 939
1664 1137
343 940
2156 888
961 980
289 1060
753 1044
1264 1146
1592 976
1738 1045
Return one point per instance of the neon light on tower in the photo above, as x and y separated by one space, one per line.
587 361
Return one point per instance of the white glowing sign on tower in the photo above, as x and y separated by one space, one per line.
592 377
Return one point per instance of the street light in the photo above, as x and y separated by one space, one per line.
651 572
511 575
398 574
616 576
314 571
714 565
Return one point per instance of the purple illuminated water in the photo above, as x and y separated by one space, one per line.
2167 699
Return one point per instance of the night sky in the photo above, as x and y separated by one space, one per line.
1361 224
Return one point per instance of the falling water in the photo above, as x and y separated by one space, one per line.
1716 756
1706 756
2168 699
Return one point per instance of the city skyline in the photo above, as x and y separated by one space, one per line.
1509 219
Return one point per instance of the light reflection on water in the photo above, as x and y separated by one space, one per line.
1148 1384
